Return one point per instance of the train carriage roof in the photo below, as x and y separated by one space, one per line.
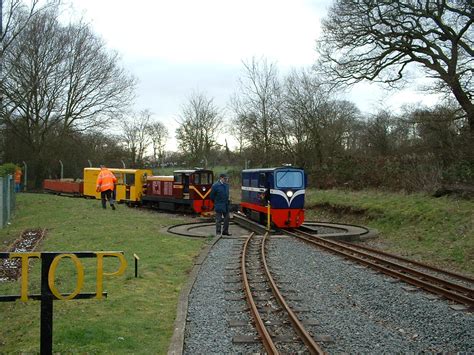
120 170
270 169
160 178
191 171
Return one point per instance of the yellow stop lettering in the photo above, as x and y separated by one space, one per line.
24 271
80 276
101 273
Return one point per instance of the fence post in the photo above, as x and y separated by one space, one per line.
12 193
2 220
25 176
8 197
62 169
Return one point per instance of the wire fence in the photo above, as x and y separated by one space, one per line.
7 199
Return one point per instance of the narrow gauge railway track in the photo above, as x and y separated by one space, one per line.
446 273
448 289
250 256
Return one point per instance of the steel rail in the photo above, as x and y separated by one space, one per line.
313 347
427 277
261 329
414 262
336 248
247 223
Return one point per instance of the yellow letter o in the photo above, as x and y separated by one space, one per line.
52 272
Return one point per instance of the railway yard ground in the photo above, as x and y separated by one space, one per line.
138 315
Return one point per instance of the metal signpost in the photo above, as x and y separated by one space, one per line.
49 292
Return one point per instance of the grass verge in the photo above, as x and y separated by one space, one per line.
438 231
138 314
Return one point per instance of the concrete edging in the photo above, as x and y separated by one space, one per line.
177 340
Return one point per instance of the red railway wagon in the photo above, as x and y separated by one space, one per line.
64 187
186 190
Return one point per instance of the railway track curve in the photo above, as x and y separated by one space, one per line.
463 294
237 329
263 322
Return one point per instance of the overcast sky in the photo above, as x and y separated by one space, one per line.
177 47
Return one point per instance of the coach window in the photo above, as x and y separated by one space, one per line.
130 179
262 180
197 179
119 178
178 179
246 179
186 183
254 180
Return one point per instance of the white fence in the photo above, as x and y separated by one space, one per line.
7 199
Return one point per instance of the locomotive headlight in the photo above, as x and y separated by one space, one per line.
289 193
204 188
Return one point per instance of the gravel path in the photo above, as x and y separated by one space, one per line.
210 309
368 312
362 311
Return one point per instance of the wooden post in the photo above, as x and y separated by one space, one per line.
269 219
136 264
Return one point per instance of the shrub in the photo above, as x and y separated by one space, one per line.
7 169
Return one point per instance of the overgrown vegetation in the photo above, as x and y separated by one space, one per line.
439 231
137 315
7 169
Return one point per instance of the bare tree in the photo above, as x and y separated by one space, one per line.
257 108
237 130
158 136
302 125
136 136
381 40
14 18
60 78
314 127
377 133
199 124
17 17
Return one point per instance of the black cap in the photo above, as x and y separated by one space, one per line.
222 175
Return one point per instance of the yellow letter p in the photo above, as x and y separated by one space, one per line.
100 269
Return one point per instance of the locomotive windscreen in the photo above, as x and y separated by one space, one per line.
203 179
289 179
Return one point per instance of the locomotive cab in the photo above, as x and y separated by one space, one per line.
186 190
280 190
129 187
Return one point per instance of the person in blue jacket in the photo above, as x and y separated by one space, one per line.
220 196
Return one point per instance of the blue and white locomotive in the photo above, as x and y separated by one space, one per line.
283 188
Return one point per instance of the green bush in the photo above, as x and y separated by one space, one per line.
7 169
460 172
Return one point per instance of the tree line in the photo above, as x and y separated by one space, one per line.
62 88
298 119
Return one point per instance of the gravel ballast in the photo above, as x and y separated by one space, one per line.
362 311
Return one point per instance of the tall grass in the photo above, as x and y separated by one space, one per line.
439 231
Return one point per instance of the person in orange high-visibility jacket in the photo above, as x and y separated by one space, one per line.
18 174
105 185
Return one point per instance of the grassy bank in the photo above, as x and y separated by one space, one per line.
138 314
439 231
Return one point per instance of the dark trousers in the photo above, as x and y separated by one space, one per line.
109 194
222 218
